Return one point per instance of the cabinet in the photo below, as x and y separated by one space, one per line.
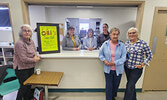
6 55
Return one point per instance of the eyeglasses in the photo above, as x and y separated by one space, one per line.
131 32
27 31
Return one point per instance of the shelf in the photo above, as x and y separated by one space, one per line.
8 57
7 47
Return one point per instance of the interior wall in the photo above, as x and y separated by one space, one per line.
6 36
36 15
121 17
148 17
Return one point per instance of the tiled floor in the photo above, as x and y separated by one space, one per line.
149 95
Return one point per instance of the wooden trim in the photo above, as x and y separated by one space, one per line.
87 90
83 2
7 5
4 4
140 16
25 12
140 5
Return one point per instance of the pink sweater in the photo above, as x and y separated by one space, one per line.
23 54
113 46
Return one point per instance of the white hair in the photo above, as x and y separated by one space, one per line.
21 29
132 28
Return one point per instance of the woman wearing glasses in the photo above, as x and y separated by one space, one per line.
138 55
90 41
25 57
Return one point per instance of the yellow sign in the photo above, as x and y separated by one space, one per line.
48 35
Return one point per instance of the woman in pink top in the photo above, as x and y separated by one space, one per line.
113 55
24 60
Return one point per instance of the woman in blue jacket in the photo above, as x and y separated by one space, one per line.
113 55
90 41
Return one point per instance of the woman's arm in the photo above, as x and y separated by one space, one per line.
148 54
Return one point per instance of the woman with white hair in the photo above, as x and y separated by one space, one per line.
138 55
25 57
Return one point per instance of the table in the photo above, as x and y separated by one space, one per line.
46 78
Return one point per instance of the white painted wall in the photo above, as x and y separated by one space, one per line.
121 17
36 15
6 36
148 17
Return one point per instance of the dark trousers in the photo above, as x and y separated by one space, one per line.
132 76
24 91
112 84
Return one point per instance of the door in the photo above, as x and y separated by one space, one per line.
156 74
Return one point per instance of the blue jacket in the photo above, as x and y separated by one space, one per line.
120 56
93 42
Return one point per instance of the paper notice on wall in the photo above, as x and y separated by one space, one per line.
166 41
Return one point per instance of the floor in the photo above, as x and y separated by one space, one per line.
148 95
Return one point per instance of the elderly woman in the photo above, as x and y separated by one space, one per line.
25 58
90 42
138 55
103 36
71 41
113 55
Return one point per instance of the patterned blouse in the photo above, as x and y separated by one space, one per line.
137 53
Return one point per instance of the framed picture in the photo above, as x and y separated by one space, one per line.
48 38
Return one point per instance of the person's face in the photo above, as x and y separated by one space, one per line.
114 36
26 33
90 33
105 28
132 35
71 32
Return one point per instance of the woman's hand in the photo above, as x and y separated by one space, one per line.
76 49
140 66
37 58
90 48
106 62
112 63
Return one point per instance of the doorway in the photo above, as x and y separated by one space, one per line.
155 75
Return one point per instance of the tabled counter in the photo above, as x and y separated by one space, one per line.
82 69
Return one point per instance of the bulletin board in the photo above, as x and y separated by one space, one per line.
48 38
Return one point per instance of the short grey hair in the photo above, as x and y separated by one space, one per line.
115 29
132 28
21 29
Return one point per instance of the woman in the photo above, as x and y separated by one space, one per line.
25 58
90 42
113 55
136 50
71 41
103 37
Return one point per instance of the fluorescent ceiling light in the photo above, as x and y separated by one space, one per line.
84 6
3 8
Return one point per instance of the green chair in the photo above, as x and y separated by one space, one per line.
10 82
